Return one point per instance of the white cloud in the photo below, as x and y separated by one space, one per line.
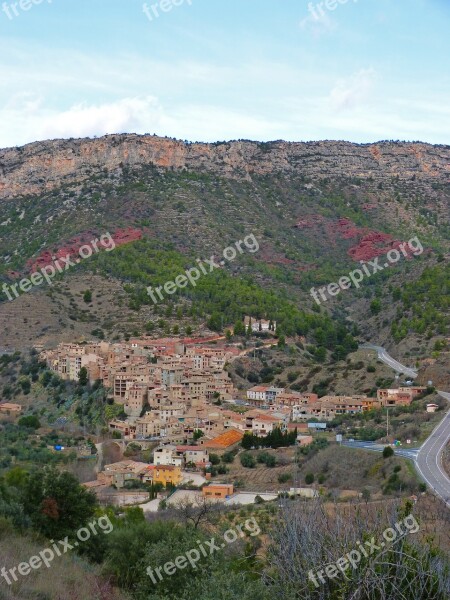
353 91
128 114
133 115
204 101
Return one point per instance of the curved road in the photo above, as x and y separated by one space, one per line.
391 362
429 457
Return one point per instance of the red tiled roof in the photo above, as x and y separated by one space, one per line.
229 438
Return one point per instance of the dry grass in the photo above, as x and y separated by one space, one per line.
68 578
345 471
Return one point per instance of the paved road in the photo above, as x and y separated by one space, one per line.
429 459
391 362
410 453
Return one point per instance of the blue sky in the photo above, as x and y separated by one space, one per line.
209 70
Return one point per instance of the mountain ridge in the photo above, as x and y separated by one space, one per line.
43 166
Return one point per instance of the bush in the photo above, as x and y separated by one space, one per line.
228 457
271 461
267 459
284 477
261 457
247 461
309 479
87 296
388 452
31 422
214 459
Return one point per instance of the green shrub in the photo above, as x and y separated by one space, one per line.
247 461
388 452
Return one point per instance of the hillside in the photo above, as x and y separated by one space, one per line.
316 209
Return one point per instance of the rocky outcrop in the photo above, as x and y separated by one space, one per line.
43 166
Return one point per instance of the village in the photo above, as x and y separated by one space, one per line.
177 398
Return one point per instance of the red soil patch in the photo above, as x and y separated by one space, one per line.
71 249
368 243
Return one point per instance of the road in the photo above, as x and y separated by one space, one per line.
410 453
429 459
391 362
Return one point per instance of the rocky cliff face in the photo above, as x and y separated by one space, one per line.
44 166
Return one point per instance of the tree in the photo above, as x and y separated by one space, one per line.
247 460
247 441
375 306
149 326
271 461
281 341
309 479
239 328
83 376
388 452
228 457
46 377
31 422
56 503
25 384
87 296
214 459
126 545
16 477
198 511
215 322
365 494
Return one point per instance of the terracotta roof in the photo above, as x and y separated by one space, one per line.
298 426
163 467
229 438
267 418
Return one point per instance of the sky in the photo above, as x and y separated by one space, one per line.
214 70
